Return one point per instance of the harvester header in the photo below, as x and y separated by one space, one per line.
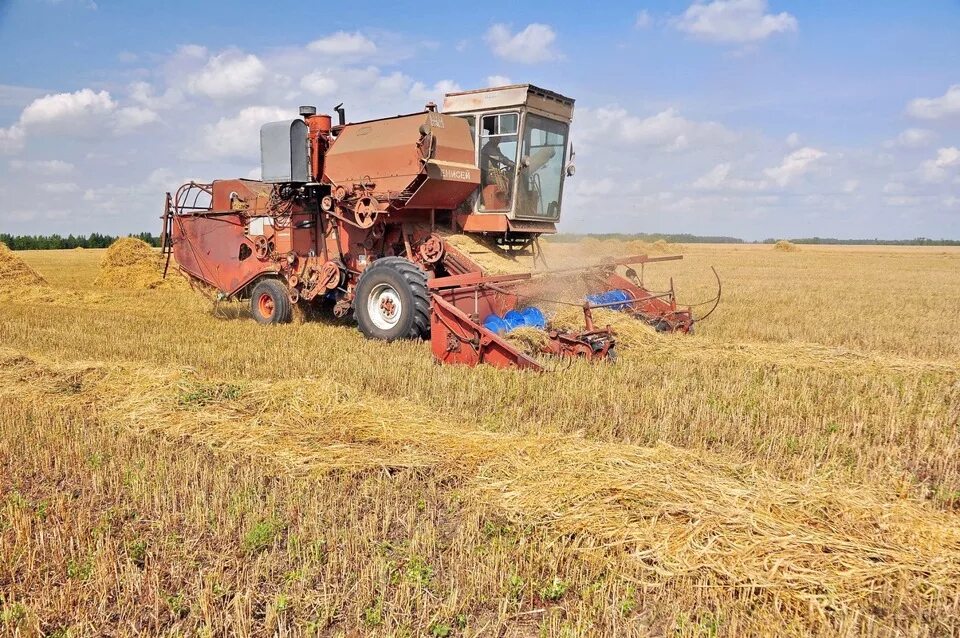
356 217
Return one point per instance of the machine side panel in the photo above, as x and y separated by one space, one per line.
425 160
208 248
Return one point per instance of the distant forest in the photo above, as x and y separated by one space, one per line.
96 240
53 242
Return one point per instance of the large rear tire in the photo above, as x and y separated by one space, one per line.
391 300
270 303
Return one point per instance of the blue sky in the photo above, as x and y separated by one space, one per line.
753 118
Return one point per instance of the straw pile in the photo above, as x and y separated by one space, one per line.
132 263
785 246
15 274
490 257
527 339
809 549
658 247
632 334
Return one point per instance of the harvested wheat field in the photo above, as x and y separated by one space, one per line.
791 469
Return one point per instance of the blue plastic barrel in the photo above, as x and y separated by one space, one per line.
514 320
533 317
618 295
495 324
609 297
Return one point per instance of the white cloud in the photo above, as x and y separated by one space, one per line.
793 140
11 139
144 94
498 80
419 91
59 187
19 216
533 44
192 51
345 44
319 83
667 130
133 117
64 111
239 136
794 165
368 91
938 168
912 138
43 167
894 188
734 21
595 187
718 179
643 20
82 114
934 108
230 74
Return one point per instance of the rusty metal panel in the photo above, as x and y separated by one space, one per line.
446 186
208 248
423 160
516 95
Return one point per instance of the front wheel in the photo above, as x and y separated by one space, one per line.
391 300
270 303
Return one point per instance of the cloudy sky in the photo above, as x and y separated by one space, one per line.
750 118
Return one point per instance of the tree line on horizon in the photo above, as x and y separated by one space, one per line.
59 242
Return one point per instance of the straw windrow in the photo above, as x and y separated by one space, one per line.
669 513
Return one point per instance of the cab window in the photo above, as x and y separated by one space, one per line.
497 159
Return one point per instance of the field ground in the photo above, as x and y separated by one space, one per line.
791 469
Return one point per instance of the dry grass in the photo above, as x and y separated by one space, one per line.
784 471
785 246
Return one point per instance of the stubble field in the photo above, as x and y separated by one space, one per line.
791 469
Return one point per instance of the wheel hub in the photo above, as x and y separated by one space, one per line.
266 306
384 306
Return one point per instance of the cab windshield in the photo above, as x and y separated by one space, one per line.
540 176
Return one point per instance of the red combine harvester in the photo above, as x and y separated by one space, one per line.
355 216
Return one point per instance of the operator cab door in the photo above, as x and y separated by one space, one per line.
497 143
520 176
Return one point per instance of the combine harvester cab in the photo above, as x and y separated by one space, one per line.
358 217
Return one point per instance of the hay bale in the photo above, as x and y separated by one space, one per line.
662 246
131 263
785 246
15 274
